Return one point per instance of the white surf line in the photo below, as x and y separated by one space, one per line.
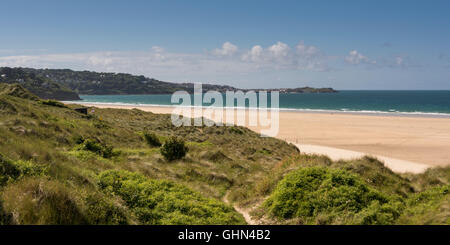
335 154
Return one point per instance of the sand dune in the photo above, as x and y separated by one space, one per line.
396 165
404 143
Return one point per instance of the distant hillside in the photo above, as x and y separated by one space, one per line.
87 82
37 84
65 84
305 90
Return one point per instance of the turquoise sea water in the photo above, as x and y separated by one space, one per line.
394 102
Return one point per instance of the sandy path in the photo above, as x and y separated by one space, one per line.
245 212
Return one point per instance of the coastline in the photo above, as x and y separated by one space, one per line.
326 111
405 143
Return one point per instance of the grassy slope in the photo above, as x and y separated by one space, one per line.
45 135
46 179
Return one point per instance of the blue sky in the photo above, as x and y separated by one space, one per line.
265 44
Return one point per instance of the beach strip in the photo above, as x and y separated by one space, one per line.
405 144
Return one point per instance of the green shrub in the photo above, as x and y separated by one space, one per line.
53 103
93 146
7 171
13 170
78 139
103 150
379 214
316 192
235 130
28 168
152 140
101 210
174 149
429 207
164 202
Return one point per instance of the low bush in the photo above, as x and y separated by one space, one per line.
174 149
78 139
7 171
13 170
103 150
235 130
430 207
378 213
152 140
164 202
328 196
101 210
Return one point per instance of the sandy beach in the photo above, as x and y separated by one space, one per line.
404 143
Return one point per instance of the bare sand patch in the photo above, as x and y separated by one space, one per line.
396 165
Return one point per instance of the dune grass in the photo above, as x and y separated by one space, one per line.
56 167
73 149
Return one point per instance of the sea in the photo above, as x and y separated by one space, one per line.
421 103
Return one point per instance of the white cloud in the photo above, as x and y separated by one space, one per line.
281 56
279 50
160 63
100 60
401 61
228 49
157 49
227 61
255 54
307 51
393 61
357 58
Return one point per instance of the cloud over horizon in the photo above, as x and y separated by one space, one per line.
158 62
